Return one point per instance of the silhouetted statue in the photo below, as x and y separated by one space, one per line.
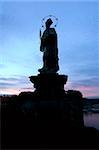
49 48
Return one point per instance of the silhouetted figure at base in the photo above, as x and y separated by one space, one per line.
49 48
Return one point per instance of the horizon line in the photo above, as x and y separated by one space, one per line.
90 97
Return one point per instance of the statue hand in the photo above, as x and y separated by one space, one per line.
41 49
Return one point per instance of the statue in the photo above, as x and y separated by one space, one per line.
49 48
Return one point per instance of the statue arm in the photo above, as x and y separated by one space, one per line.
43 39
41 46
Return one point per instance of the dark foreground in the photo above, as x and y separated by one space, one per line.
48 135
42 127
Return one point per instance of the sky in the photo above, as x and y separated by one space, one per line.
78 35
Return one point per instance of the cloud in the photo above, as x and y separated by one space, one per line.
8 79
26 88
92 81
89 87
15 85
89 91
15 91
9 91
13 82
4 85
89 70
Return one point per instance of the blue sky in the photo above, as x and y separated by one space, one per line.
78 37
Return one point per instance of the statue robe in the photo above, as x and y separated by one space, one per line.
50 50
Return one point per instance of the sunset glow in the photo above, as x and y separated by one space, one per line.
20 56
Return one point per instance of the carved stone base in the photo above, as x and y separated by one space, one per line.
50 95
49 84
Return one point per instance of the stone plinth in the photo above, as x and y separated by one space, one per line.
49 84
50 95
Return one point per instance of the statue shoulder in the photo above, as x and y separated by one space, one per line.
47 32
52 31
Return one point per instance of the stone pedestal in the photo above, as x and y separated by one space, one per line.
49 91
49 84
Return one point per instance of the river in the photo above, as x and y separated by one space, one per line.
91 120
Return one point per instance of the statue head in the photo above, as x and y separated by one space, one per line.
48 22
